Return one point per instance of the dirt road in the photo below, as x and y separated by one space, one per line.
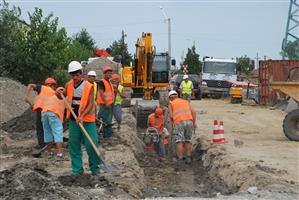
257 152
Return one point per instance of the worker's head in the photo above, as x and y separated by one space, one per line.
185 77
115 79
51 82
107 72
91 76
172 95
75 70
158 112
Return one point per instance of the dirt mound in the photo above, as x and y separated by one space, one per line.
12 104
98 65
20 124
24 181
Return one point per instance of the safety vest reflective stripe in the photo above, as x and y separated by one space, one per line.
108 94
118 98
90 116
56 106
95 90
180 110
186 87
45 93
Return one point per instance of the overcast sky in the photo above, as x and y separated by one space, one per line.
222 29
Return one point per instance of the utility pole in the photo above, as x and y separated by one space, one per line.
257 61
169 30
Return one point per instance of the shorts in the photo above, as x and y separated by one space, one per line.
183 131
53 129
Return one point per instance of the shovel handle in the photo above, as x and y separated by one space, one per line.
82 127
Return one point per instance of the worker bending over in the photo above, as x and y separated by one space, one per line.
184 118
44 92
52 118
80 94
106 99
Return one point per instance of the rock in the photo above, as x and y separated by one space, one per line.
252 190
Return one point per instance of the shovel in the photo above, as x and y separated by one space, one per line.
105 166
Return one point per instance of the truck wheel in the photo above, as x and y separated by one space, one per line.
291 125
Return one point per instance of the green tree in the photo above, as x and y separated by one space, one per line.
291 50
245 65
9 35
85 39
193 62
119 47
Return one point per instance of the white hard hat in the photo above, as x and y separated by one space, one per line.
185 76
92 73
74 66
172 92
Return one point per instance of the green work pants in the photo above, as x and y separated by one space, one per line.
106 115
76 136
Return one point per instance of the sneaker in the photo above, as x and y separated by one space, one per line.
59 156
188 160
50 155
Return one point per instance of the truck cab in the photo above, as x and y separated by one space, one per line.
215 76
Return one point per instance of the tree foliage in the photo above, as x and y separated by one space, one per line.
85 39
193 62
119 47
291 50
245 65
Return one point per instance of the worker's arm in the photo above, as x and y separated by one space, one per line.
170 115
62 90
89 107
29 88
122 93
193 113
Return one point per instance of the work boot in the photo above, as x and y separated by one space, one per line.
188 160
50 155
59 157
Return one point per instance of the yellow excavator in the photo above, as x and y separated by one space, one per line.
147 79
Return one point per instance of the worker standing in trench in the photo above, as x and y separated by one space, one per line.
80 94
106 99
184 119
186 88
119 95
44 92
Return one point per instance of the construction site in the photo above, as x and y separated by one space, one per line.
242 144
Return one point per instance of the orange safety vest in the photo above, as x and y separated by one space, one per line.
45 93
108 94
56 106
180 110
156 122
90 116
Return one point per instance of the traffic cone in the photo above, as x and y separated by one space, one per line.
218 133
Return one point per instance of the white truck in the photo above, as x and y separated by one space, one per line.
215 74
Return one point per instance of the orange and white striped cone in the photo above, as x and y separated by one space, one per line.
218 133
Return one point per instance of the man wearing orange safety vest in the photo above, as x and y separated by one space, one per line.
80 94
156 120
106 99
44 92
184 118
52 118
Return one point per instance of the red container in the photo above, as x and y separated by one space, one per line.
270 71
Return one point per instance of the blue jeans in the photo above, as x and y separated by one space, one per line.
117 113
53 129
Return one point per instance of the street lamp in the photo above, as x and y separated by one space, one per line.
169 31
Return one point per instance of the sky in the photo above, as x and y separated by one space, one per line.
217 28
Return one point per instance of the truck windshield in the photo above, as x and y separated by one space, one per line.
219 67
160 63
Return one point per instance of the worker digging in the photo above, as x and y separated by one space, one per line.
126 115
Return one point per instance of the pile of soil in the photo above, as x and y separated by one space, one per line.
24 181
18 125
99 64
12 104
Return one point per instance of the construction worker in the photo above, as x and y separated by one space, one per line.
44 92
80 94
119 95
184 118
156 120
106 99
52 119
186 88
91 77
